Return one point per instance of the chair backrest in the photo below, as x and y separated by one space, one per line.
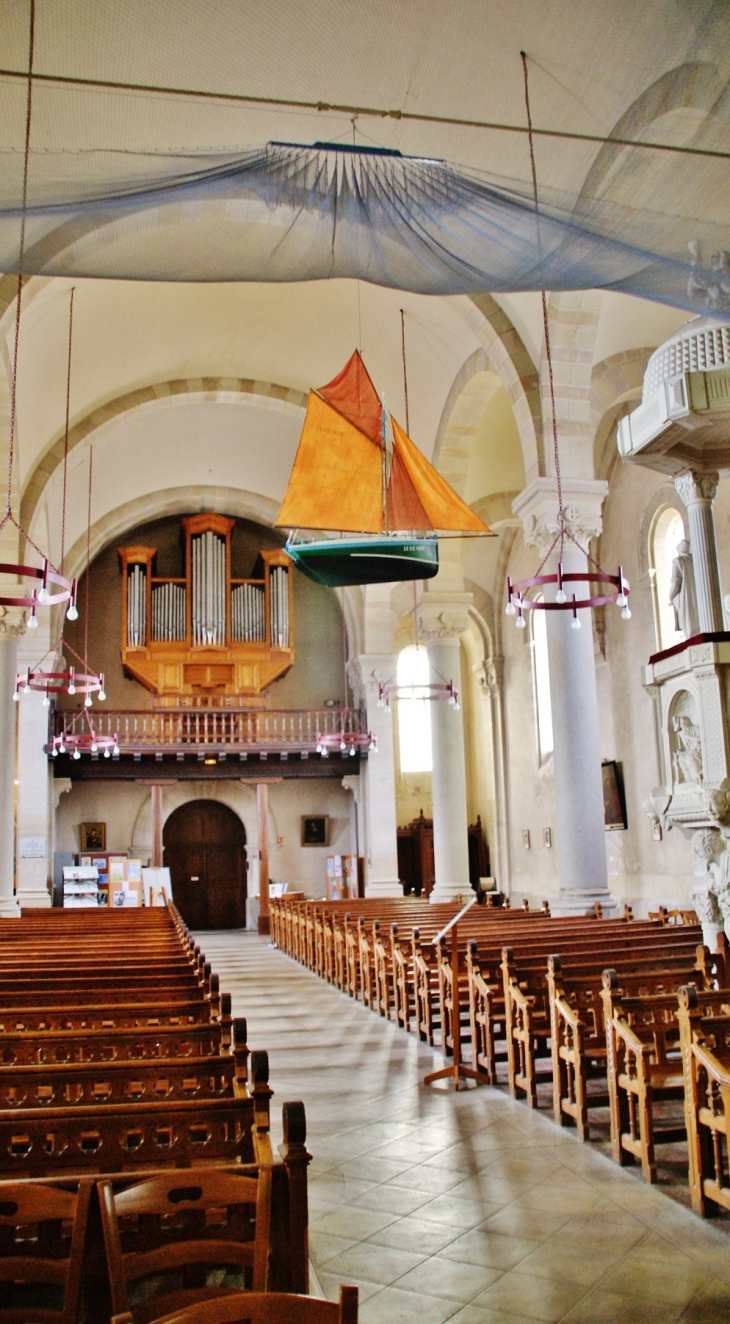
264 1308
183 1226
42 1238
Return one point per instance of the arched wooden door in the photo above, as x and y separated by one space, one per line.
205 851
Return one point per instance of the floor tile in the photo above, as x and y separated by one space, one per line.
458 1282
395 1307
376 1264
538 1298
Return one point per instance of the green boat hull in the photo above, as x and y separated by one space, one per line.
338 562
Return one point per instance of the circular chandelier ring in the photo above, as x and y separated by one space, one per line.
57 682
47 576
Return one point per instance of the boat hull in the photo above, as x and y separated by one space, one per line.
338 562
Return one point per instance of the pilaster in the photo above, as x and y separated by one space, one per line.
366 673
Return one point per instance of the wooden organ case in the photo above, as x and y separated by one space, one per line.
206 634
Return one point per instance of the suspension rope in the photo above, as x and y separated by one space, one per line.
405 371
65 438
88 563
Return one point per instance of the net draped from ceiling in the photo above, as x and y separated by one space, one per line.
144 185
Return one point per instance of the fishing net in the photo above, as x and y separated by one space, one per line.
125 183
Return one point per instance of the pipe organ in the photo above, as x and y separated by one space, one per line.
206 633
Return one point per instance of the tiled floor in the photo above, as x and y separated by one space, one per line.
465 1207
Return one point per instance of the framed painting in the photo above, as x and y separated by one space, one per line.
93 836
614 800
315 829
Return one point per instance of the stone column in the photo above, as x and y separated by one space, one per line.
34 869
500 863
573 697
442 619
11 627
697 491
156 812
262 814
366 672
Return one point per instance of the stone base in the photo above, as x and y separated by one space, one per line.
443 893
582 903
35 898
9 908
383 887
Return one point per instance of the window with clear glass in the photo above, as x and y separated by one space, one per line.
414 711
541 679
667 532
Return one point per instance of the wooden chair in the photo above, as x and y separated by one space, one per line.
40 1264
705 1043
172 1240
264 1308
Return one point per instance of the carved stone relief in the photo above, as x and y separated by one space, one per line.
685 740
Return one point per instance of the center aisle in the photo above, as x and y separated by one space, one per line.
465 1207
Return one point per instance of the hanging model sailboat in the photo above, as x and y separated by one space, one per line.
357 472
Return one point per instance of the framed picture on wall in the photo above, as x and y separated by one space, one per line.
614 801
93 836
315 829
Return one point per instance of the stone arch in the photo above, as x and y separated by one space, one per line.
236 795
214 390
615 382
502 352
168 501
691 86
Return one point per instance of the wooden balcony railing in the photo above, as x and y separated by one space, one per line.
180 731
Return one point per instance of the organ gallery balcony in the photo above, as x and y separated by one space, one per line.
201 742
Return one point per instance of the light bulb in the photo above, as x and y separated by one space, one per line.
319 748
343 746
115 751
72 614
32 623
107 754
72 688
575 623
381 702
88 701
561 596
457 706
626 613
16 697
62 748
373 747
621 599
521 623
352 752
43 595
77 754
510 609
54 753
102 694
95 748
46 701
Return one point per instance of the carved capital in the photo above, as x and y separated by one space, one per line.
368 671
537 507
442 617
61 786
693 486
12 622
492 679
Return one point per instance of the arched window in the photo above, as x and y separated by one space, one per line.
414 711
541 682
667 531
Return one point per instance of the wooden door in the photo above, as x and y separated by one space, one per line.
205 851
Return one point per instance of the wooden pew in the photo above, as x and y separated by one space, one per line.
705 1051
645 1065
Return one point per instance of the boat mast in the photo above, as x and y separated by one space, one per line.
384 465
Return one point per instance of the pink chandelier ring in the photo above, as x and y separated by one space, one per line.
40 597
60 682
517 603
346 742
85 742
429 692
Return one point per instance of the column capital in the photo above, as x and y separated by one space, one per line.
693 486
537 507
368 671
492 678
12 622
442 616
354 785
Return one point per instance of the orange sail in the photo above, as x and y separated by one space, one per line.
336 482
337 479
444 509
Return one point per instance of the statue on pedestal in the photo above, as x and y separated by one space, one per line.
682 592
